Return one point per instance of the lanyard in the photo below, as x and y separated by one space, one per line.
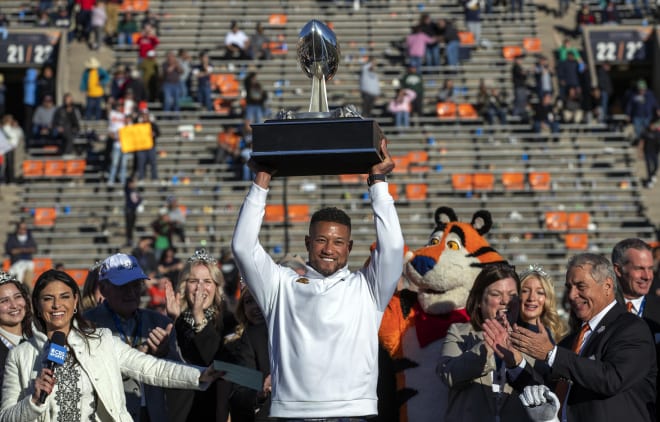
7 342
120 329
641 307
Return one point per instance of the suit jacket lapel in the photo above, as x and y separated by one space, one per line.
601 328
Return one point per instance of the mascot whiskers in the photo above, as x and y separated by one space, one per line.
440 276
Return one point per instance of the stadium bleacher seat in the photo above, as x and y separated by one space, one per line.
446 110
44 216
416 191
576 241
510 52
462 182
513 180
556 220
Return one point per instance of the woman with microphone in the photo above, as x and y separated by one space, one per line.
87 382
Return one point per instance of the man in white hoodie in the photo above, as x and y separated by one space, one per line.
323 325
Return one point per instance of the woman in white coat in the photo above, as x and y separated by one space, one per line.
88 386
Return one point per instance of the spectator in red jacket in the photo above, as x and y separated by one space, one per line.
147 41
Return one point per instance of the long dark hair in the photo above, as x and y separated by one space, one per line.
26 323
490 274
85 328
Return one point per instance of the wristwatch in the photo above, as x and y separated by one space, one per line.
373 177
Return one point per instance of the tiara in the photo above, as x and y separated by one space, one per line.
533 269
6 277
200 255
95 267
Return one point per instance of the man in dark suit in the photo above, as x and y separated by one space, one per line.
633 265
608 368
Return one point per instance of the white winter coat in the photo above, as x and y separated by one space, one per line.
104 359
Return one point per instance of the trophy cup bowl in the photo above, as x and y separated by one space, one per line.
318 141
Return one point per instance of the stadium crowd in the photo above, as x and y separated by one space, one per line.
142 336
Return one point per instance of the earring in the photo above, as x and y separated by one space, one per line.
75 311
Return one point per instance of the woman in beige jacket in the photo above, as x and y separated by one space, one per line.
88 386
476 377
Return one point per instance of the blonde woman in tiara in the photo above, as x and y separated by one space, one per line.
197 309
538 300
15 316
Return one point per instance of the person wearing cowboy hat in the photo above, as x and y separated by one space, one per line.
93 82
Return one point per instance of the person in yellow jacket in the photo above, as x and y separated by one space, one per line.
93 82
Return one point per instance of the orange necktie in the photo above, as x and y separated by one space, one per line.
577 345
629 306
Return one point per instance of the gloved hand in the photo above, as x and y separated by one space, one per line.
540 403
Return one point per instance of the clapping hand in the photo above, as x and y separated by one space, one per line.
172 301
496 336
540 403
157 343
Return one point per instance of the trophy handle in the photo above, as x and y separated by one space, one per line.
319 100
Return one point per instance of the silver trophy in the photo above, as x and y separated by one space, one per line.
318 55
319 141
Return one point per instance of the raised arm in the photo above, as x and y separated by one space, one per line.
258 269
386 263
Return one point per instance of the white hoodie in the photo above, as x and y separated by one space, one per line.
323 331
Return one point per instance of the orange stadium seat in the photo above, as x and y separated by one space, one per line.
44 217
416 191
41 264
578 220
539 180
298 213
33 168
277 47
532 45
418 157
446 110
510 52
221 106
513 181
277 19
467 111
483 181
54 168
75 167
274 213
461 181
418 162
393 189
77 274
556 220
350 179
401 163
576 241
466 38
135 5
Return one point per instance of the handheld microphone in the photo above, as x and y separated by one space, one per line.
56 356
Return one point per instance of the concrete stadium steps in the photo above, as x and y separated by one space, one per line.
590 166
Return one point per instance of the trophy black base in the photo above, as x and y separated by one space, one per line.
317 146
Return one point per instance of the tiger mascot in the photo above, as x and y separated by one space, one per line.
416 320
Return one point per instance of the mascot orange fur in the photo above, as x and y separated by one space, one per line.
416 321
